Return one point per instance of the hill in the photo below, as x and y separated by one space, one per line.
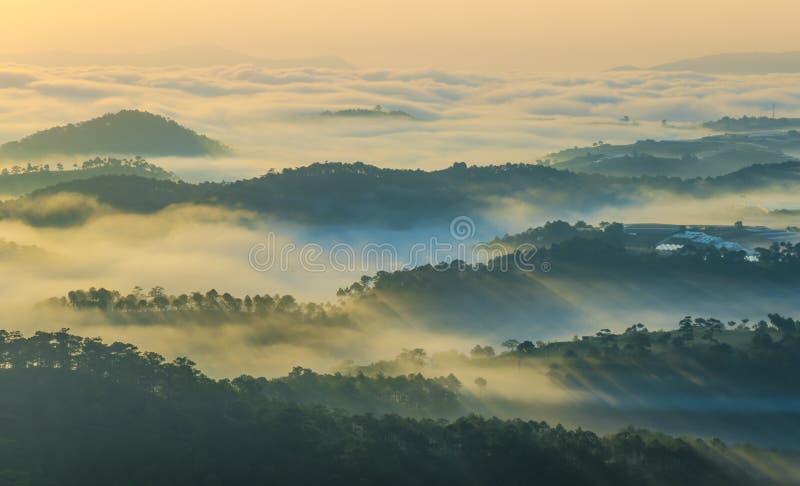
127 132
336 193
377 112
703 157
752 123
573 275
113 414
786 174
19 180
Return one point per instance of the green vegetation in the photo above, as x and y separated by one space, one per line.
336 193
704 356
78 411
556 232
582 250
701 358
73 203
703 157
640 242
377 112
706 377
211 306
18 180
130 132
575 272
644 164
409 395
754 123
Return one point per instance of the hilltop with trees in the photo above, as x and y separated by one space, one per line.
128 132
336 193
22 179
557 283
752 123
703 157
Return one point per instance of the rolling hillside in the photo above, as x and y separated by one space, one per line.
129 132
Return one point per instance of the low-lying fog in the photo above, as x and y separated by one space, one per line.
188 248
270 115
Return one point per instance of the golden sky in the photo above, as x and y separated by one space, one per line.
500 34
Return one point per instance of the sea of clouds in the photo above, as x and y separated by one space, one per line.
270 115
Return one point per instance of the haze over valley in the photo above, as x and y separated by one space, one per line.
301 245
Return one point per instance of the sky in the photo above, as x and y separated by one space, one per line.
448 34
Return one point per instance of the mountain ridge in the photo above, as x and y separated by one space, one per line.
730 63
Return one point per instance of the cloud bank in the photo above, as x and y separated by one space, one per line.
269 114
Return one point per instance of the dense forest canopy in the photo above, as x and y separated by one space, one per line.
584 248
758 349
335 193
738 353
568 274
115 414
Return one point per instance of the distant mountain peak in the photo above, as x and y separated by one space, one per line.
729 63
737 63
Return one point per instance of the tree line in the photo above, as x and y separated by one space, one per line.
79 411
337 193
583 250
97 163
212 303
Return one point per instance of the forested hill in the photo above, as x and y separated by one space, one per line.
130 132
702 157
333 193
785 174
22 179
78 411
558 288
752 123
